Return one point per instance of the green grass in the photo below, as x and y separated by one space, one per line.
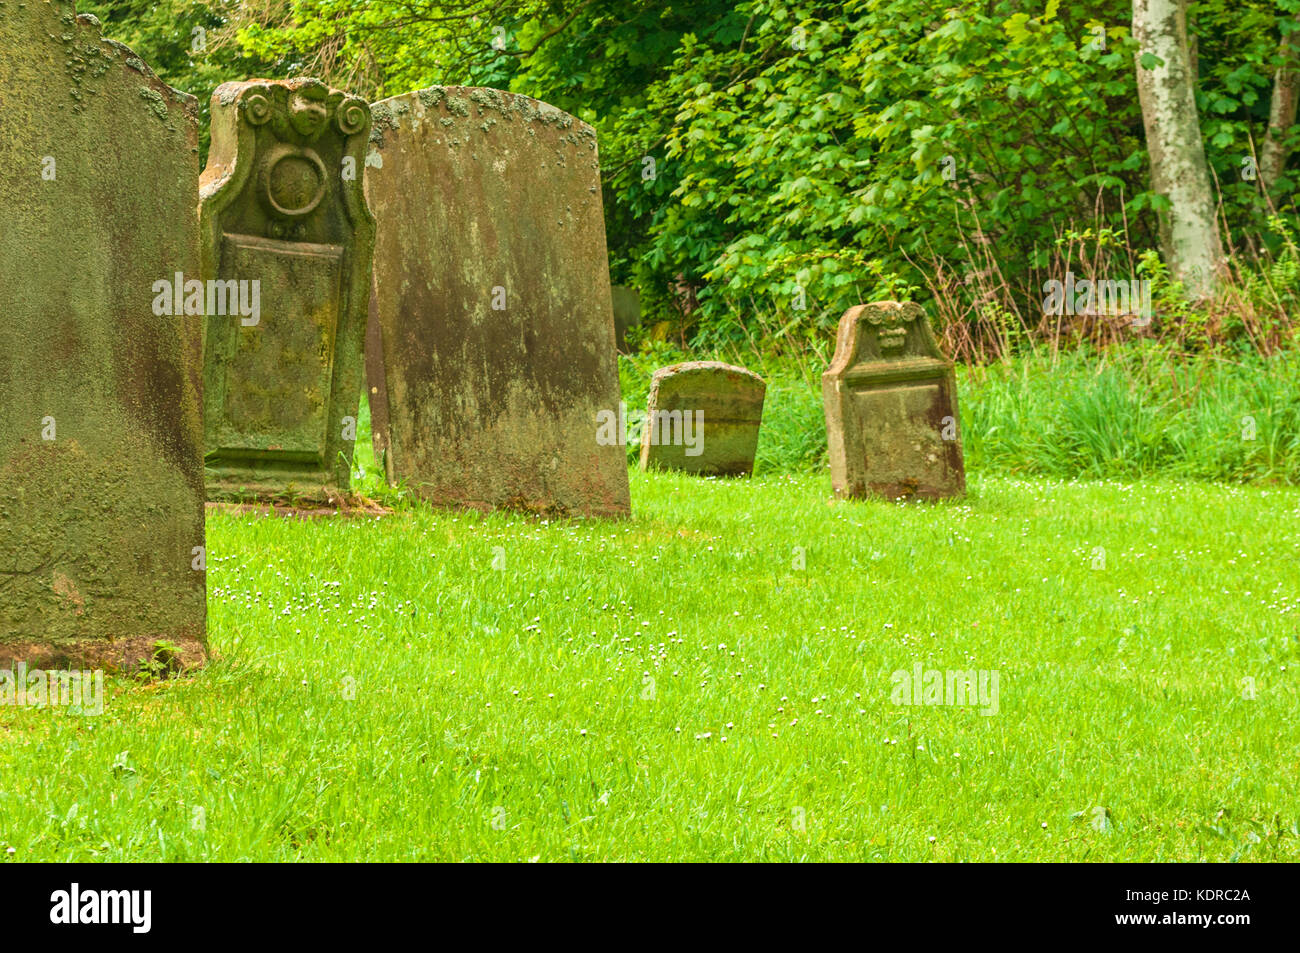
1136 412
379 691
1131 412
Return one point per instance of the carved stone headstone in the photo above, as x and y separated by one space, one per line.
101 427
491 356
285 228
891 407
703 417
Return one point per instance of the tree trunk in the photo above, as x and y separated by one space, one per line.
1188 229
1281 112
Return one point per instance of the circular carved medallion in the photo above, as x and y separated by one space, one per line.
293 181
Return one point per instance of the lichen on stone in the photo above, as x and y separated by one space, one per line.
432 96
492 99
155 101
381 118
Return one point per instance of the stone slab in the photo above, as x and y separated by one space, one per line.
627 313
101 423
283 213
491 354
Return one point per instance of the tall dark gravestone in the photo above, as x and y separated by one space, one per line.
101 425
286 233
491 358
890 399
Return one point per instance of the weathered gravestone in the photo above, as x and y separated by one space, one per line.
490 357
703 417
890 399
101 428
285 229
627 313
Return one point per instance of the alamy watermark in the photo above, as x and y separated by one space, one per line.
668 428
131 908
36 688
215 297
935 686
1100 297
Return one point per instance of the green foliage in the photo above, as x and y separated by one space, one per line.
386 47
1167 293
182 41
612 68
1277 285
810 149
885 131
1135 413
164 660
789 158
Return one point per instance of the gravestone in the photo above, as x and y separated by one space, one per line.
285 228
890 399
703 417
627 313
490 357
101 426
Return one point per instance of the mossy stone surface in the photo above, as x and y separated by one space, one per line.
627 313
101 439
721 436
491 351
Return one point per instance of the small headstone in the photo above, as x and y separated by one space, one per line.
286 231
703 417
102 560
891 407
491 364
627 313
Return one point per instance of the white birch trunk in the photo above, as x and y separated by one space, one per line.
1188 230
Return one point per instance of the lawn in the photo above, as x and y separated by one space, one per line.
710 680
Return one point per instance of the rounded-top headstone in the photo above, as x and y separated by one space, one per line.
703 417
